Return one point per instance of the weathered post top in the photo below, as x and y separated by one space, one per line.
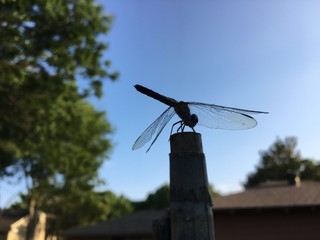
186 142
190 201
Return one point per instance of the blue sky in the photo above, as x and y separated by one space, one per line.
260 55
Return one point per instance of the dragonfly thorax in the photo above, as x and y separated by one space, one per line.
183 111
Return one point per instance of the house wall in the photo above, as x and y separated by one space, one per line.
278 224
266 225
18 229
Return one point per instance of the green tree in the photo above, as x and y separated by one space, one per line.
84 207
157 200
281 159
213 192
79 207
49 134
160 199
115 206
61 163
44 46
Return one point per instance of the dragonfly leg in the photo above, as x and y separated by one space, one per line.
174 125
181 127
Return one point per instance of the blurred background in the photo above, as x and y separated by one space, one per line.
254 55
70 114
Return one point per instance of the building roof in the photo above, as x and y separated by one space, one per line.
267 195
272 195
8 217
139 223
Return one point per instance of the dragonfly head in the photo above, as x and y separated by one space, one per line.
193 120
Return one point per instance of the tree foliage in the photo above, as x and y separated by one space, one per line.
61 162
281 159
78 207
49 133
53 40
44 46
85 207
157 200
160 199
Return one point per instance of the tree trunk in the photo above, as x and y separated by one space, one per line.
33 219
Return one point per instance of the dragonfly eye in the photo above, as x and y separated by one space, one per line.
193 120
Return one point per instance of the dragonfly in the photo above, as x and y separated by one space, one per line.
192 114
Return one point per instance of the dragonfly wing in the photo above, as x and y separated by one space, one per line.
221 117
155 127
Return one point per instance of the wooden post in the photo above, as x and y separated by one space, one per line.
190 201
161 228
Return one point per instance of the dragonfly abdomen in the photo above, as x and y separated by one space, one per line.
166 100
